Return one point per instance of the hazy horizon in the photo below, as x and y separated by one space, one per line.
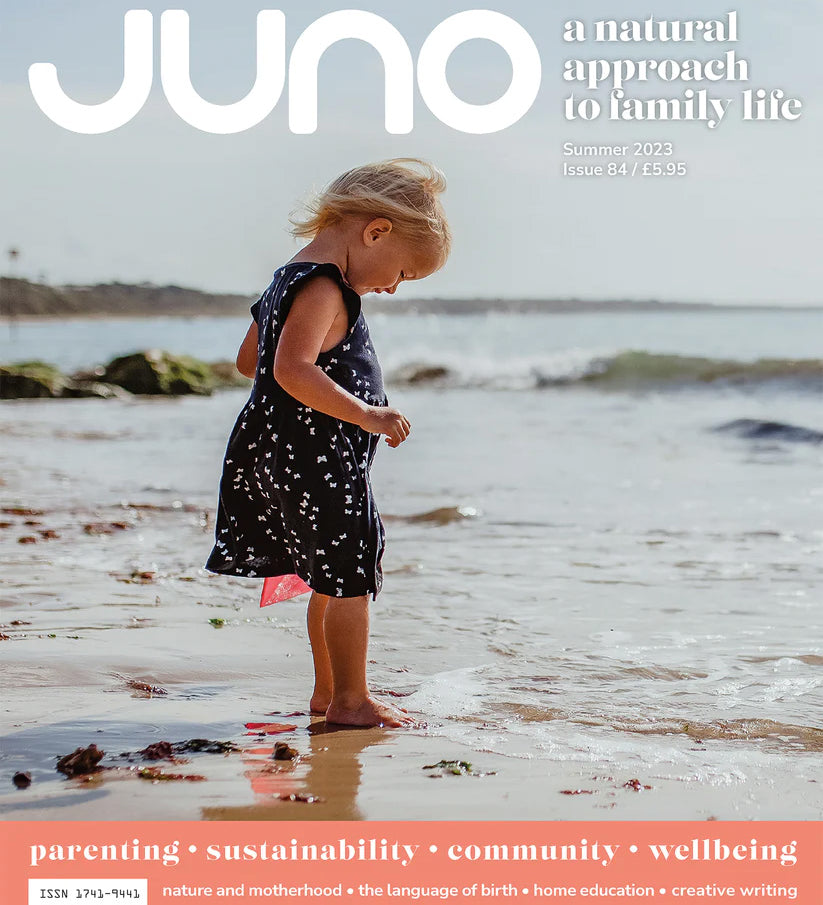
398 303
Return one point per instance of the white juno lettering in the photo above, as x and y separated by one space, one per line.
95 119
479 119
223 119
330 29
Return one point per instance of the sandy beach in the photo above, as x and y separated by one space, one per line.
628 637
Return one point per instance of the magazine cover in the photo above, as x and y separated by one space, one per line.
410 474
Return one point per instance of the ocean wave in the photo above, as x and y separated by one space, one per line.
754 729
755 429
442 516
624 370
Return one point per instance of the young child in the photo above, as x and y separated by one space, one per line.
295 495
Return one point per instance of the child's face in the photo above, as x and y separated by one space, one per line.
382 260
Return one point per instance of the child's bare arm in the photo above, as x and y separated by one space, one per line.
247 356
313 311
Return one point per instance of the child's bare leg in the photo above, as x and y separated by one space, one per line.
346 626
321 697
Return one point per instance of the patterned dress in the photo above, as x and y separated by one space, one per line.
295 495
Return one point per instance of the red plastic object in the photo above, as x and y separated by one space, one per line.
269 728
282 587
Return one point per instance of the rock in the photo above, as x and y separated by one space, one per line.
756 429
81 761
444 515
283 752
419 373
95 373
225 374
22 780
158 751
88 389
30 380
156 373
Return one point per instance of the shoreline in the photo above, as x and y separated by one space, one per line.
23 302
448 308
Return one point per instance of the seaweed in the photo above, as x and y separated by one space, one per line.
204 746
283 752
155 774
636 785
81 761
455 767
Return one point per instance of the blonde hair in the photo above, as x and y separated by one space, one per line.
405 190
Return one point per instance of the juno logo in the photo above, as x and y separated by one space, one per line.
224 119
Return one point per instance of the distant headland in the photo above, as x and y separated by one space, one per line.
24 300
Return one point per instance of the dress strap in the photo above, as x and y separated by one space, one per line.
298 273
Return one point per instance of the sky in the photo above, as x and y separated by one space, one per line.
159 201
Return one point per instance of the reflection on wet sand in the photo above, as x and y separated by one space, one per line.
320 784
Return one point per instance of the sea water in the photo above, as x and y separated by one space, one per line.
604 571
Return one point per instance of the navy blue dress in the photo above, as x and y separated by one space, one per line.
295 494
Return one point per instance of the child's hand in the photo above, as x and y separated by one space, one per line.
380 419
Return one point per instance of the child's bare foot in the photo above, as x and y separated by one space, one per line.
320 701
368 712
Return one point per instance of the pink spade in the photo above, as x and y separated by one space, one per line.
282 587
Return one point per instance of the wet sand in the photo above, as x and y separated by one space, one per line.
73 698
110 597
